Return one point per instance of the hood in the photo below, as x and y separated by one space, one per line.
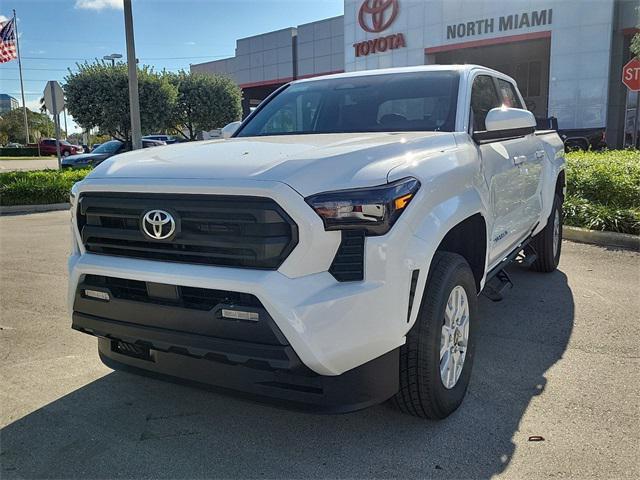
308 163
84 157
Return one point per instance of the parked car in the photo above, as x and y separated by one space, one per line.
329 253
13 145
48 147
168 139
102 152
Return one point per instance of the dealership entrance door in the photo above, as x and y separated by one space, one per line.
525 61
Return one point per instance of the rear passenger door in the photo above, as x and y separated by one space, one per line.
501 172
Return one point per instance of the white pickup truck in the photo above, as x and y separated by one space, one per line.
329 252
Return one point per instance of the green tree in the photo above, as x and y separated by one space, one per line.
204 102
635 41
98 96
12 126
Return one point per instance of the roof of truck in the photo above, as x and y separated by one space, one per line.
418 68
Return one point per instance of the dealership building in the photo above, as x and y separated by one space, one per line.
566 55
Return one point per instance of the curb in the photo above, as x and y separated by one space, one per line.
606 239
19 209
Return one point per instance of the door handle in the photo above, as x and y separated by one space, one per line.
539 154
517 160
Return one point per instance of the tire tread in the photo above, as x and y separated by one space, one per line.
415 396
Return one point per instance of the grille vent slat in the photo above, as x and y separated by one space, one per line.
348 264
189 297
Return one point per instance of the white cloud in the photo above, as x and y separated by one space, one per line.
189 43
3 19
99 4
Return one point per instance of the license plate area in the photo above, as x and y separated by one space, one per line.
131 350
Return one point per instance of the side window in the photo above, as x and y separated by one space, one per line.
508 94
483 99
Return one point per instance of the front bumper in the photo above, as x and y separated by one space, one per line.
189 339
336 331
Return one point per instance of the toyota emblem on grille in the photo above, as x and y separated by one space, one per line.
158 224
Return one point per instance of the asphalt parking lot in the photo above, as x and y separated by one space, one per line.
558 358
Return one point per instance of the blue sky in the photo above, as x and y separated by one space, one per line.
55 34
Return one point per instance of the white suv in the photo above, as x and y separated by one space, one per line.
330 253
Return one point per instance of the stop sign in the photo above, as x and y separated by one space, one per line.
631 75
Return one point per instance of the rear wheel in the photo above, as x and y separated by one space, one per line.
548 242
436 360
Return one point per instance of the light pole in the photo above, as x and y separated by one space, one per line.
113 57
134 101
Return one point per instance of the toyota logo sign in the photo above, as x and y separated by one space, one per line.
158 224
377 15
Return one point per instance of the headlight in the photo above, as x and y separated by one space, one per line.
73 197
373 209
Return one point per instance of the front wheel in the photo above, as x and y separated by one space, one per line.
436 360
548 242
66 153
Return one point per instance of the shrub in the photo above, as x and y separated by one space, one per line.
603 191
38 187
609 178
19 152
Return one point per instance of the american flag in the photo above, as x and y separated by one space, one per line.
8 41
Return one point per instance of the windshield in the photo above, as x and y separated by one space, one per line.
108 147
420 101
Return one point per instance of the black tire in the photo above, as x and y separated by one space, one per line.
543 243
422 392
66 153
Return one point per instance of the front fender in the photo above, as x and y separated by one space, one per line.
431 229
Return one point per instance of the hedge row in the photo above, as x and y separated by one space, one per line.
19 152
38 187
603 189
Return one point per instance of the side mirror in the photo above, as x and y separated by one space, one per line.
509 119
230 129
504 123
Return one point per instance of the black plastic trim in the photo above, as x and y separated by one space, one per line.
348 264
489 136
372 383
194 312
412 291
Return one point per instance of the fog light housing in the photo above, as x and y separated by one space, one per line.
240 315
97 294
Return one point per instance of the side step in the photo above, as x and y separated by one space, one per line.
527 257
496 288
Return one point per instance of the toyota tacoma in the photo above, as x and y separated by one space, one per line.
329 251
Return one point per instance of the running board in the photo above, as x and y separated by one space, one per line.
496 288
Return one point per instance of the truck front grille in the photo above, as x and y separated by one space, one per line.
237 231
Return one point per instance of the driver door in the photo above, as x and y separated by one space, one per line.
501 173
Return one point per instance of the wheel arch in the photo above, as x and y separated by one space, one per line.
468 239
561 184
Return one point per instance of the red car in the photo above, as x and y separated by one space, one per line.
48 147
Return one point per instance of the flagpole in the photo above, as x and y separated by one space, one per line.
24 105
